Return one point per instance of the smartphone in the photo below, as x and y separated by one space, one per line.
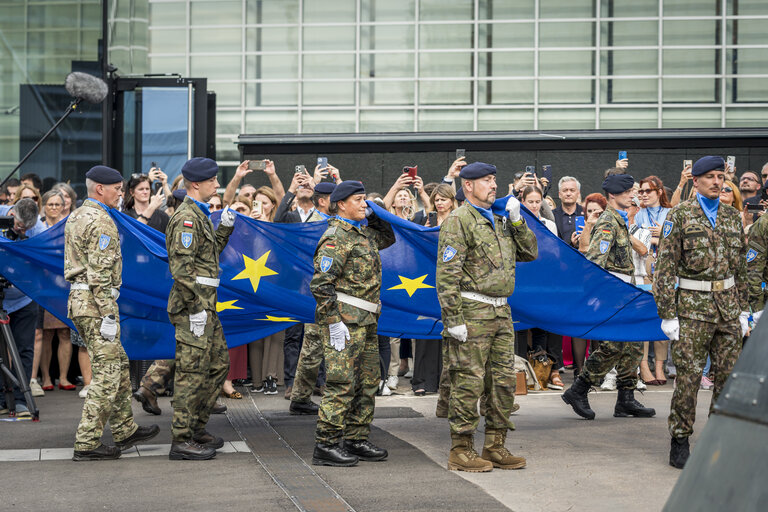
432 217
687 163
636 201
257 165
530 169
153 165
301 169
623 155
411 171
755 208
256 207
322 161
731 160
461 153
546 172
578 222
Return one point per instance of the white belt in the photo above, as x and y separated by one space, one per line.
207 281
479 297
706 286
358 303
624 277
84 286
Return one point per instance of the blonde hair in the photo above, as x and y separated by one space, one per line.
737 202
267 191
22 188
413 207
446 191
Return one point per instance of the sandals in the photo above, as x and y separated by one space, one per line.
555 382
235 395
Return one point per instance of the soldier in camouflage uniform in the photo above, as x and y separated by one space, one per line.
93 264
703 249
611 248
757 266
202 360
477 253
346 285
155 382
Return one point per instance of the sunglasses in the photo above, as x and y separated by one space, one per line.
749 178
727 189
647 190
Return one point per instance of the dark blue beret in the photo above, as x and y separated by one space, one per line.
708 163
618 183
104 175
325 187
179 194
345 189
476 170
460 197
199 169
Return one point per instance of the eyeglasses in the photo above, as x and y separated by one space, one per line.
749 178
647 190
727 189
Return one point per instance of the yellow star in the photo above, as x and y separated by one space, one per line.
411 285
230 304
255 270
271 318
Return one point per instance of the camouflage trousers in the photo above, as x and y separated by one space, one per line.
444 385
625 356
484 364
201 368
698 339
159 376
351 382
308 367
109 397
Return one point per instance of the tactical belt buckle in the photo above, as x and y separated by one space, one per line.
718 286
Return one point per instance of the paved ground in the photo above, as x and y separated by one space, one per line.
606 464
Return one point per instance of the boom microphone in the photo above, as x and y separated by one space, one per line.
83 86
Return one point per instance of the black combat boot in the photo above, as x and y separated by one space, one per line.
302 408
103 452
576 397
218 408
679 452
190 450
208 440
332 455
141 434
626 405
365 450
148 400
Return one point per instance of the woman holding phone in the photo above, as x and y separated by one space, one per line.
144 206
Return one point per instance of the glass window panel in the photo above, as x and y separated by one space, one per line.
223 67
633 90
629 33
434 37
271 121
14 16
14 41
391 10
566 119
168 41
319 65
329 38
272 39
567 34
446 120
628 118
49 16
690 62
499 120
168 65
271 11
48 70
572 63
53 43
227 122
386 65
747 89
747 31
629 8
566 91
386 37
629 62
227 94
386 120
747 7
216 40
505 64
221 12
566 9
691 8
445 93
496 92
91 14
9 96
445 64
746 117
167 13
271 94
323 11
506 35
442 10
690 90
386 93
271 66
506 10
328 121
748 61
684 32
329 93
690 118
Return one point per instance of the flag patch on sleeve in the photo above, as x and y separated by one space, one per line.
188 224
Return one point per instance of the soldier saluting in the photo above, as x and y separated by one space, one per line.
93 264
703 249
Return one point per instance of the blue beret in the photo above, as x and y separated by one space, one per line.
179 194
460 197
199 169
476 170
104 175
345 189
708 163
618 183
325 187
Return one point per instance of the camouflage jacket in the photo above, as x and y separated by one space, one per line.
193 251
692 249
475 256
609 246
757 262
92 256
347 261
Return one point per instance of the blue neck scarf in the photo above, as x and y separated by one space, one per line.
485 212
710 207
106 208
203 206
625 216
355 223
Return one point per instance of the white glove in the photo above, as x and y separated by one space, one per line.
108 328
671 328
460 331
227 217
513 207
756 316
339 334
197 323
744 321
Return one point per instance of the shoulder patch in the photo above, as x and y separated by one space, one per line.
449 253
604 246
667 229
104 241
751 255
606 231
186 239
325 263
188 223
330 231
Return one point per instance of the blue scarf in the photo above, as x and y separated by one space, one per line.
485 212
625 216
106 208
203 206
651 216
355 223
710 207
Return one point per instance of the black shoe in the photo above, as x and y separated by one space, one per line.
148 400
626 405
270 386
208 440
218 408
303 408
332 455
576 397
103 452
141 434
365 449
190 450
679 452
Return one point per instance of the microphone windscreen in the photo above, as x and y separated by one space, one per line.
86 87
